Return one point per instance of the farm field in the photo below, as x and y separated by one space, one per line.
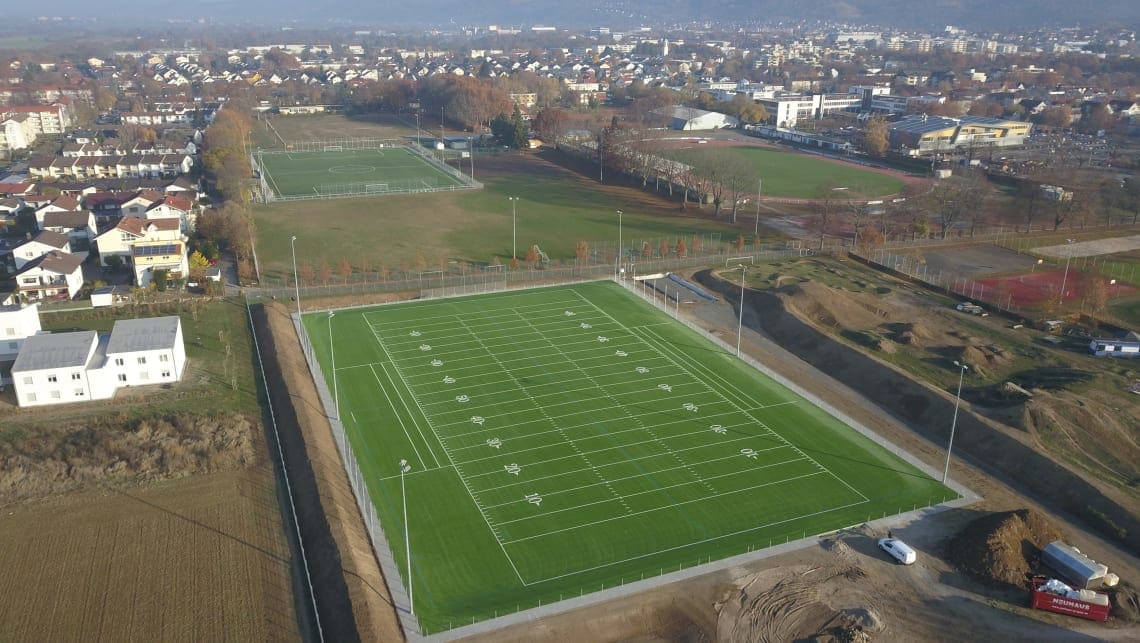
380 170
202 558
566 439
803 176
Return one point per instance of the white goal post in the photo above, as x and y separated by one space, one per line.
333 148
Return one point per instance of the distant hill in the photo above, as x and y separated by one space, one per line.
977 14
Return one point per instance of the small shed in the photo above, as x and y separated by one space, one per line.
108 296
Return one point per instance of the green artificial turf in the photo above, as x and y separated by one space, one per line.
390 169
566 439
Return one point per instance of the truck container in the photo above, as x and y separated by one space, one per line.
1072 566
1055 596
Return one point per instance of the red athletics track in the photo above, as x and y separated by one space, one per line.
1034 287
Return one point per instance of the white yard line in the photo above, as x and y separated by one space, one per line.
400 418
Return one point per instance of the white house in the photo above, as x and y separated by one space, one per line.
53 369
79 227
43 243
16 324
59 368
56 274
128 231
148 256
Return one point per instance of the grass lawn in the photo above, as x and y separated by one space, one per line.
555 209
394 168
566 439
802 176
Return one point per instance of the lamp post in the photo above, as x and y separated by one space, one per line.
756 227
618 262
1065 279
332 354
404 468
514 251
296 282
962 368
740 320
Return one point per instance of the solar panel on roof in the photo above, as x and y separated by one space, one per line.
151 251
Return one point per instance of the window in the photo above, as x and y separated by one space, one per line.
143 375
78 392
55 395
164 358
76 376
31 397
126 236
166 374
51 378
119 361
28 381
142 360
13 345
9 331
122 377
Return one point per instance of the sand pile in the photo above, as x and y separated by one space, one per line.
999 548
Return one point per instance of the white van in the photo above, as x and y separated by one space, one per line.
898 550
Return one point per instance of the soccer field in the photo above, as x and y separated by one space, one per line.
565 439
805 176
392 169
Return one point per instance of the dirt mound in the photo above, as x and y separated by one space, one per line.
910 334
999 548
834 308
1125 603
115 450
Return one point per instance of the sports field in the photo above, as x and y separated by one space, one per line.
565 439
392 169
802 176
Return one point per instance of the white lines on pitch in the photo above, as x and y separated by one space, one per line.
499 399
400 418
744 410
692 544
549 494
645 511
567 437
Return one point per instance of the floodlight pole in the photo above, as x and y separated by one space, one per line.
1065 279
962 368
514 234
756 228
296 282
618 262
332 353
404 468
740 320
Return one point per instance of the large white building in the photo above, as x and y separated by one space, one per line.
691 118
788 109
58 368
17 323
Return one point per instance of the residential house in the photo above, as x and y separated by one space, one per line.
61 368
55 274
149 256
43 243
78 226
131 230
16 324
16 134
62 203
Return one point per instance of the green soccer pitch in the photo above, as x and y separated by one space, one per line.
565 439
391 169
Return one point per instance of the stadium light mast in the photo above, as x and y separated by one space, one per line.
740 320
514 234
756 227
1065 279
618 262
962 368
404 468
332 354
296 282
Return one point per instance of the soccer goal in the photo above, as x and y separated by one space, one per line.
376 187
333 148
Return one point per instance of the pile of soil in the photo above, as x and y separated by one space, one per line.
1125 603
910 334
1000 548
115 450
834 308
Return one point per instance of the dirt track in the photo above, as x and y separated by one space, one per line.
352 600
